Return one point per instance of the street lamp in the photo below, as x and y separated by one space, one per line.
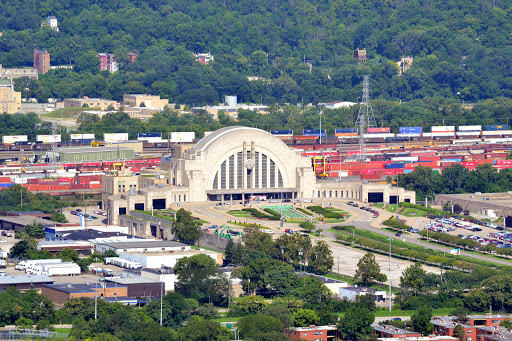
320 114
389 279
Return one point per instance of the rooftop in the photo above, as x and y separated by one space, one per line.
447 322
81 288
421 338
188 252
93 234
19 213
393 330
130 280
145 244
102 149
26 220
25 279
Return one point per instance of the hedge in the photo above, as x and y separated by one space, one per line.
255 213
391 222
325 213
303 211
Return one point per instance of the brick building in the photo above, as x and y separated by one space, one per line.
360 55
60 293
387 331
313 333
41 61
445 327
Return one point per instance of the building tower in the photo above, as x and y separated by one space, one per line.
365 118
41 61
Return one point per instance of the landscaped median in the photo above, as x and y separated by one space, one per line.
379 243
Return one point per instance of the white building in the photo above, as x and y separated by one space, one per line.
52 22
157 260
338 104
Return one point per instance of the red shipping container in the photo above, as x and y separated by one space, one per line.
429 158
503 162
378 130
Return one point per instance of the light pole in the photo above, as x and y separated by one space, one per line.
389 273
320 114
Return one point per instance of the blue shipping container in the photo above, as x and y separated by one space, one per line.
313 132
451 160
149 135
281 132
6 185
394 165
411 130
496 127
345 130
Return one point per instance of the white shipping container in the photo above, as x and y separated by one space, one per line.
379 135
470 128
438 129
405 158
467 133
343 173
68 270
443 133
48 138
82 136
115 137
151 139
497 132
408 135
183 137
14 138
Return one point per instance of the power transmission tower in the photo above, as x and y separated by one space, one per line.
365 118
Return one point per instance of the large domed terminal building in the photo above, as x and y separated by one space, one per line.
237 163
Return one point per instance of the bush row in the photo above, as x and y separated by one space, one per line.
449 239
392 222
325 213
257 214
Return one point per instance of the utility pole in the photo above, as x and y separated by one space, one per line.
365 118
161 301
389 274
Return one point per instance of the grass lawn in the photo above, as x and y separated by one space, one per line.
378 205
390 208
194 247
228 319
330 221
240 213
62 330
413 212
67 113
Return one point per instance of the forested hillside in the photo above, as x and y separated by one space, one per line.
458 46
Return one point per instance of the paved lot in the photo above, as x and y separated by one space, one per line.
102 220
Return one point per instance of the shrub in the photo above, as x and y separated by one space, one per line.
326 213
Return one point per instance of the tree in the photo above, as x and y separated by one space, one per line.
35 230
197 328
461 314
459 332
506 323
367 268
321 260
304 318
68 255
175 309
197 278
421 320
24 322
234 253
186 227
257 241
412 278
307 225
259 327
247 305
356 323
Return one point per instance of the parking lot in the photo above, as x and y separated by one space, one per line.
73 215
482 232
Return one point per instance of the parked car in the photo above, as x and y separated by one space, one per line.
398 234
73 212
78 210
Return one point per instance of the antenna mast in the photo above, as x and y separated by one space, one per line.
365 118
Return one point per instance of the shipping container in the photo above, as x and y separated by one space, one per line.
441 129
411 130
496 127
338 135
282 132
394 165
48 138
14 138
81 137
378 135
183 136
315 132
378 130
115 137
345 131
476 128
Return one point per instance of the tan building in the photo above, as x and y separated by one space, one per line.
10 100
18 73
98 103
239 162
231 111
149 101
60 293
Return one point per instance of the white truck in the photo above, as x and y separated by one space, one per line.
24 264
38 268
61 270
